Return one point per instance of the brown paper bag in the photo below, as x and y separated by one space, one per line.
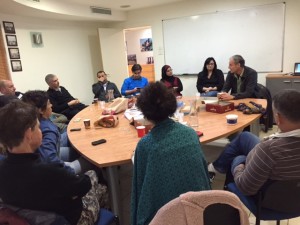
117 106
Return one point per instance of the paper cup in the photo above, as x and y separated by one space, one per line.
231 119
87 123
141 131
102 104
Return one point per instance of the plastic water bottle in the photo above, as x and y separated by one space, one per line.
193 115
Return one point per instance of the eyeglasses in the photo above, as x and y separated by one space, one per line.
211 64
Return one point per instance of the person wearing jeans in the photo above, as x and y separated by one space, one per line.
240 146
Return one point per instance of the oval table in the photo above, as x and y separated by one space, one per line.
122 140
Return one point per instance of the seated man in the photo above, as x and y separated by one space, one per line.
26 182
102 86
63 102
7 87
252 162
133 85
241 80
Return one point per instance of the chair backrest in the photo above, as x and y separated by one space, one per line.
263 93
214 207
282 196
217 214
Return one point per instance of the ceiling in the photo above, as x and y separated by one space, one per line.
77 9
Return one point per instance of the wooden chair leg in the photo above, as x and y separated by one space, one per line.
278 222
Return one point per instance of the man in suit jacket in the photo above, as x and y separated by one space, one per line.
62 101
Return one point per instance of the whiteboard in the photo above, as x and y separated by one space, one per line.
256 33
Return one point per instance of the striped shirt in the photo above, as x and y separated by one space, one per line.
275 159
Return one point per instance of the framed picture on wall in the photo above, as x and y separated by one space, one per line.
146 44
14 53
11 40
16 65
9 27
131 59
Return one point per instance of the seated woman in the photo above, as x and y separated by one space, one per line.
210 80
170 81
168 161
102 86
53 149
133 85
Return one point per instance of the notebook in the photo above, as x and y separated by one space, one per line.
297 69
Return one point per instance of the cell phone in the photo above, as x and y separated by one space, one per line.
199 133
76 129
101 141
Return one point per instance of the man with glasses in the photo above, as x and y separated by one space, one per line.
100 89
133 85
241 80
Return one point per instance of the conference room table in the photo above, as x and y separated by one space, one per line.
121 140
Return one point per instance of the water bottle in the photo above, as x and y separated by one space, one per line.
193 115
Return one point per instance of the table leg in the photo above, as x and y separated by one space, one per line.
114 188
255 127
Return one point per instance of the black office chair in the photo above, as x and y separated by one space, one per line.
267 118
278 200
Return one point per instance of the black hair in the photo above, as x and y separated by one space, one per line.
136 67
15 118
207 61
287 103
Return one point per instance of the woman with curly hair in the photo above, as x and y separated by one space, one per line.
168 161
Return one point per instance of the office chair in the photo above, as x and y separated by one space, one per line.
277 200
107 218
267 118
214 207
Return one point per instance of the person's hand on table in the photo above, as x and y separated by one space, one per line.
225 96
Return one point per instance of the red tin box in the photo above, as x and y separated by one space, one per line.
220 107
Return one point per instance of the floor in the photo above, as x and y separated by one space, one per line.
211 152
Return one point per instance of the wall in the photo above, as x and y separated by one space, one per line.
153 17
71 51
132 38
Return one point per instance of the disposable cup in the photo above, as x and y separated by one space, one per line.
141 131
231 119
87 123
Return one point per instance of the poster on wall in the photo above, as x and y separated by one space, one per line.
131 59
146 44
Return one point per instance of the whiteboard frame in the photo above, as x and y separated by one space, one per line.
282 32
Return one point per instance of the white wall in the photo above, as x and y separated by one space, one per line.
132 38
153 17
71 51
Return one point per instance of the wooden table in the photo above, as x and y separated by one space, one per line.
122 140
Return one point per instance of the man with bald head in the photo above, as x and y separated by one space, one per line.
7 87
62 101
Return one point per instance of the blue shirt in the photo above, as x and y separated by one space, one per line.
130 84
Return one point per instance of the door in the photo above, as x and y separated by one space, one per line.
113 53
